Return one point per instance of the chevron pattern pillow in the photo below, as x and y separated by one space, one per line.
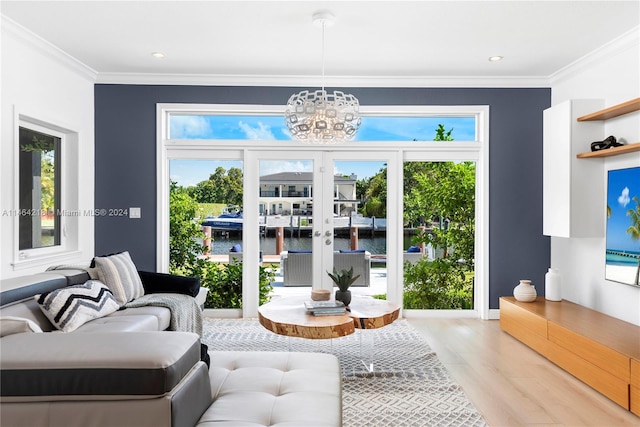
120 275
71 307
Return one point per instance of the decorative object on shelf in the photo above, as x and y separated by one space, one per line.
343 279
320 294
552 283
320 117
606 143
525 291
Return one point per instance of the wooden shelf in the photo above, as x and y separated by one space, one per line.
614 151
611 112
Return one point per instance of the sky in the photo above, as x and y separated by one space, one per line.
622 185
272 128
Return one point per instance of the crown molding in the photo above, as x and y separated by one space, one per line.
12 29
626 41
312 81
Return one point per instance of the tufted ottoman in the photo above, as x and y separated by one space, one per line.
257 388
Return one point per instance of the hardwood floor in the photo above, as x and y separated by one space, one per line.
512 385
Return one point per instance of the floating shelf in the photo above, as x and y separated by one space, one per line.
614 151
611 112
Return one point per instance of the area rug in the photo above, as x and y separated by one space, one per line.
408 386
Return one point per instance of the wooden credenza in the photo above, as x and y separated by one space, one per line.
600 350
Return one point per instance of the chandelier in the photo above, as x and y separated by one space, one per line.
318 116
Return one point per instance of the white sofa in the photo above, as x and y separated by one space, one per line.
125 369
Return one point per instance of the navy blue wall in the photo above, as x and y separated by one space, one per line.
125 126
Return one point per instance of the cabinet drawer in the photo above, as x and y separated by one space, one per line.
635 400
526 336
635 373
523 318
603 357
604 382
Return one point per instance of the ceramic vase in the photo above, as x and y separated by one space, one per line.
525 291
552 281
344 296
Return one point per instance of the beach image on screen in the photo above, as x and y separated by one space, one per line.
623 226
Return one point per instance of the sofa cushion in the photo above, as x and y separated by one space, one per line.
274 388
70 307
120 275
142 363
10 325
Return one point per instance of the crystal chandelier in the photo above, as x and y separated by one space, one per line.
320 117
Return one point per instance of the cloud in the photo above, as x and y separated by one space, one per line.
624 198
262 131
196 127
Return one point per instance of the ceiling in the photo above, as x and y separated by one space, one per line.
371 42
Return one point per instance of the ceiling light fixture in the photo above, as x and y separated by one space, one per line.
320 117
495 58
158 55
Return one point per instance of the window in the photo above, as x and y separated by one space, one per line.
39 189
398 128
45 208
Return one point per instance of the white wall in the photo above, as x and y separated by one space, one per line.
39 80
612 74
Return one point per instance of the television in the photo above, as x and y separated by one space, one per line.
623 226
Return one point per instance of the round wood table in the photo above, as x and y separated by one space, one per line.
287 316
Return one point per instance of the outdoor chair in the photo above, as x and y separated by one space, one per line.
296 266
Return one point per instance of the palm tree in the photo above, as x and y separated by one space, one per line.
634 230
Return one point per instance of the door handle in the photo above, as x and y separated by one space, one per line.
317 234
327 242
327 233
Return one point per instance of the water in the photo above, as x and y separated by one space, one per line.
375 245
614 259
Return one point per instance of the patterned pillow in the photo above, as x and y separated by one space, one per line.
120 275
71 307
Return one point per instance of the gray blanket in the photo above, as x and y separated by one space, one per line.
186 315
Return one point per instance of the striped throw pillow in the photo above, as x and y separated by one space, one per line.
71 307
120 275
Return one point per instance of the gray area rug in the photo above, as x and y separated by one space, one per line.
408 386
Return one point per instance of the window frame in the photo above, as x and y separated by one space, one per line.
68 205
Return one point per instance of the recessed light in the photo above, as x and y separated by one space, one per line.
495 58
158 55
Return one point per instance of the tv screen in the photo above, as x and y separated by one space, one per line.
623 226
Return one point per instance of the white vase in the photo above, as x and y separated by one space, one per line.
552 281
525 291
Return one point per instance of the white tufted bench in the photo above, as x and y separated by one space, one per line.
255 388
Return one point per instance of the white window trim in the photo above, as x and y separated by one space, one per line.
68 247
477 151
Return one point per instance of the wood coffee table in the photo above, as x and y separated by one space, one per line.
287 316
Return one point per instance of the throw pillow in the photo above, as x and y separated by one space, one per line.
71 307
10 325
120 275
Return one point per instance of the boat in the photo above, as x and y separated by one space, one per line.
225 221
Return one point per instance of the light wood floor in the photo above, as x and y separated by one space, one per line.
510 384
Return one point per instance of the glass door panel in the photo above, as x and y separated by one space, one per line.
206 223
439 245
359 199
290 220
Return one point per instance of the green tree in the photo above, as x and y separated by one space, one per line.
441 195
186 256
634 231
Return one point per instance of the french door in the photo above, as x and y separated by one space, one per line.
310 196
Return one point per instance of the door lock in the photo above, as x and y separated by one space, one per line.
317 233
327 242
327 233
